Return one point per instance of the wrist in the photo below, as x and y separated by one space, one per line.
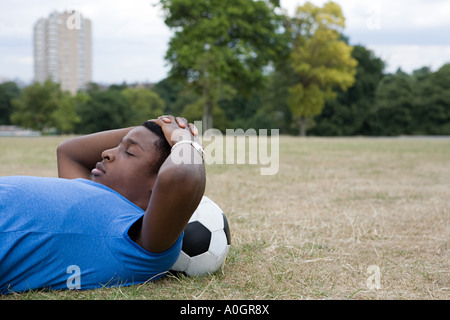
179 135
194 144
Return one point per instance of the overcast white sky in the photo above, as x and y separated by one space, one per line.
130 38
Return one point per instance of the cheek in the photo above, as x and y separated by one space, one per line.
129 173
116 175
134 173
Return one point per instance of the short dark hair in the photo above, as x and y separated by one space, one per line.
160 145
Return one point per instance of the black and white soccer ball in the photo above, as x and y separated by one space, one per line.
206 241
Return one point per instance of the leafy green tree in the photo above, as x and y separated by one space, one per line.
65 116
103 110
348 114
394 104
175 95
221 45
144 103
412 104
431 105
43 106
321 60
8 92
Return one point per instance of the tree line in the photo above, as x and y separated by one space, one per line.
247 64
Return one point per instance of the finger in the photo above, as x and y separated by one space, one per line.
194 129
182 122
166 119
158 121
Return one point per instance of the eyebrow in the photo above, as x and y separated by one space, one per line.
132 142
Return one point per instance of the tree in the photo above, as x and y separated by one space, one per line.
348 114
221 45
144 103
65 116
44 106
431 105
320 58
8 92
174 94
394 104
103 110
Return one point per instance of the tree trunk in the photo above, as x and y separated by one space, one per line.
207 111
207 116
303 127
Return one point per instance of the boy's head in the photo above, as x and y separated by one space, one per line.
131 167
160 144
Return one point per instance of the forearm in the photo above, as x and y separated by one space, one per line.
185 165
189 169
77 156
178 191
186 183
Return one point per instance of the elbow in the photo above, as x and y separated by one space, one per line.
61 150
64 147
193 179
198 184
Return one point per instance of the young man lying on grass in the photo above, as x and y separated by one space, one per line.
115 215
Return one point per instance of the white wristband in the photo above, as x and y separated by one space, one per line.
195 144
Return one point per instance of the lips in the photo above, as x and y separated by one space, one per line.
98 170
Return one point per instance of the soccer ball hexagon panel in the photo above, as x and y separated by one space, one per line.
206 241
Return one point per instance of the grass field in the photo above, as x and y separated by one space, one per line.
336 208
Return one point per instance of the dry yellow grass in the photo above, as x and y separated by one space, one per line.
336 207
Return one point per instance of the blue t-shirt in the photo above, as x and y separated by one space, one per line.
71 234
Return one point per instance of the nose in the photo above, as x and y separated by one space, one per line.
108 155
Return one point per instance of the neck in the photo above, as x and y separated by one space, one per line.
141 202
